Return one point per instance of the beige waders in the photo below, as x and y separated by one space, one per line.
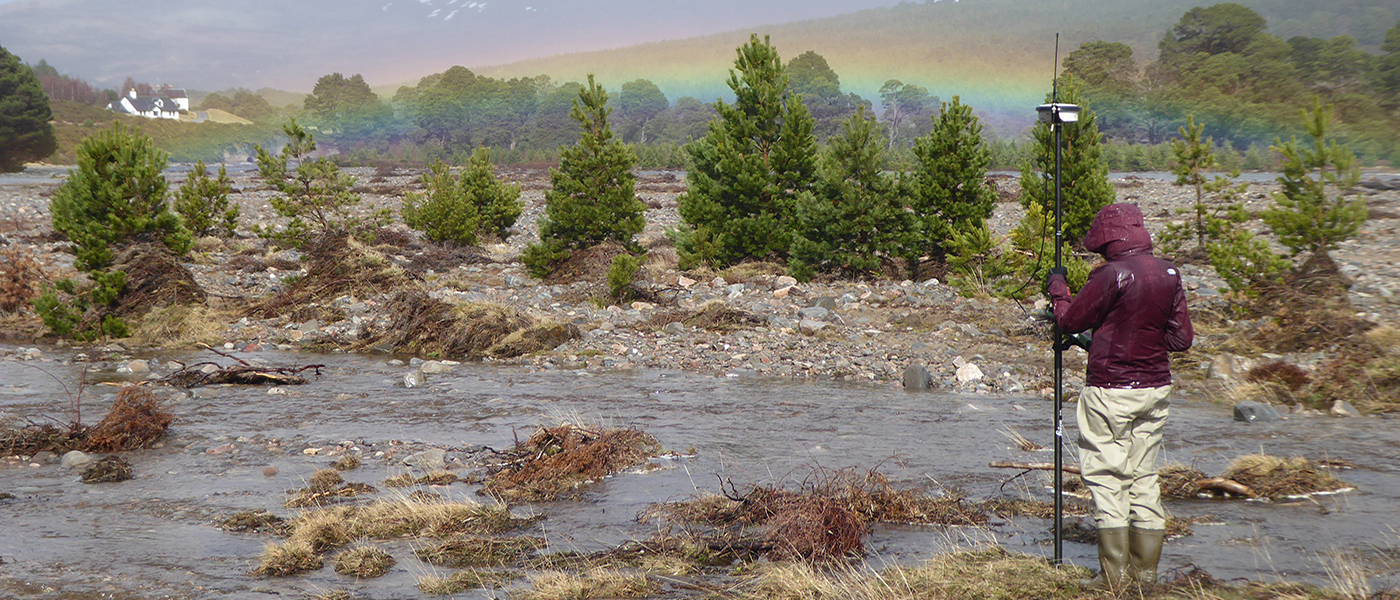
1120 439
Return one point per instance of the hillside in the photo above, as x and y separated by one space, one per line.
997 54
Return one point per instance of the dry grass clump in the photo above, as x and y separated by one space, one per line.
989 573
364 562
472 551
281 560
1288 375
1179 481
348 462
179 325
327 486
462 581
109 469
255 521
409 517
334 595
713 316
537 337
1274 477
136 420
558 460
594 583
404 480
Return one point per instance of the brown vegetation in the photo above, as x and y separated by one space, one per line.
430 327
714 316
136 420
825 520
20 276
154 278
558 460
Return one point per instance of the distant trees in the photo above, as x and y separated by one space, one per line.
347 106
25 132
638 102
906 107
810 76
243 103
759 157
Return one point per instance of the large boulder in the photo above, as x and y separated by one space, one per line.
1250 411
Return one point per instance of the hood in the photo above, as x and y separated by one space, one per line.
1118 230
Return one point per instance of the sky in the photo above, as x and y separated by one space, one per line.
219 44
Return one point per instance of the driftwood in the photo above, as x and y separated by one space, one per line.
198 374
1226 485
1034 466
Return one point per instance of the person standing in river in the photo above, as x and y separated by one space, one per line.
1136 307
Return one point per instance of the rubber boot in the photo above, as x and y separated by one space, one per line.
1144 551
1113 560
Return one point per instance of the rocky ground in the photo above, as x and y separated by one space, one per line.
863 331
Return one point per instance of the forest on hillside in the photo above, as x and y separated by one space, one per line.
1218 64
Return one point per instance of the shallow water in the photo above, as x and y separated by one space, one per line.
154 536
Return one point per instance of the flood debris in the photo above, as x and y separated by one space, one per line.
824 520
137 419
108 469
154 278
435 478
713 316
1006 507
212 373
556 461
1180 481
364 562
423 325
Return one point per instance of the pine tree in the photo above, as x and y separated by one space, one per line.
947 188
855 220
748 171
458 209
1314 213
203 202
315 196
1084 174
114 196
25 131
593 198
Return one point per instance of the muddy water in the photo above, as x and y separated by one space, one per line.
154 536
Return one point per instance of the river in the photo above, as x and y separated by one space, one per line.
154 536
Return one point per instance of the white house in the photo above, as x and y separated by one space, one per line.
151 107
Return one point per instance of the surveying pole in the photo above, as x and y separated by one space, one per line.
1057 114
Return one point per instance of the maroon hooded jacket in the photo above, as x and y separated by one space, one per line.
1135 304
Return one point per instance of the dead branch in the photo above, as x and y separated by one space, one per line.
1226 485
196 375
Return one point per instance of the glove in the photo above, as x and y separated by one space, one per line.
1061 271
1082 339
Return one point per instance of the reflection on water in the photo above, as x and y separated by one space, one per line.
154 534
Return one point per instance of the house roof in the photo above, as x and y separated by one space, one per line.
144 104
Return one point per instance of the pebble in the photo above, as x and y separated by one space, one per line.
270 471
